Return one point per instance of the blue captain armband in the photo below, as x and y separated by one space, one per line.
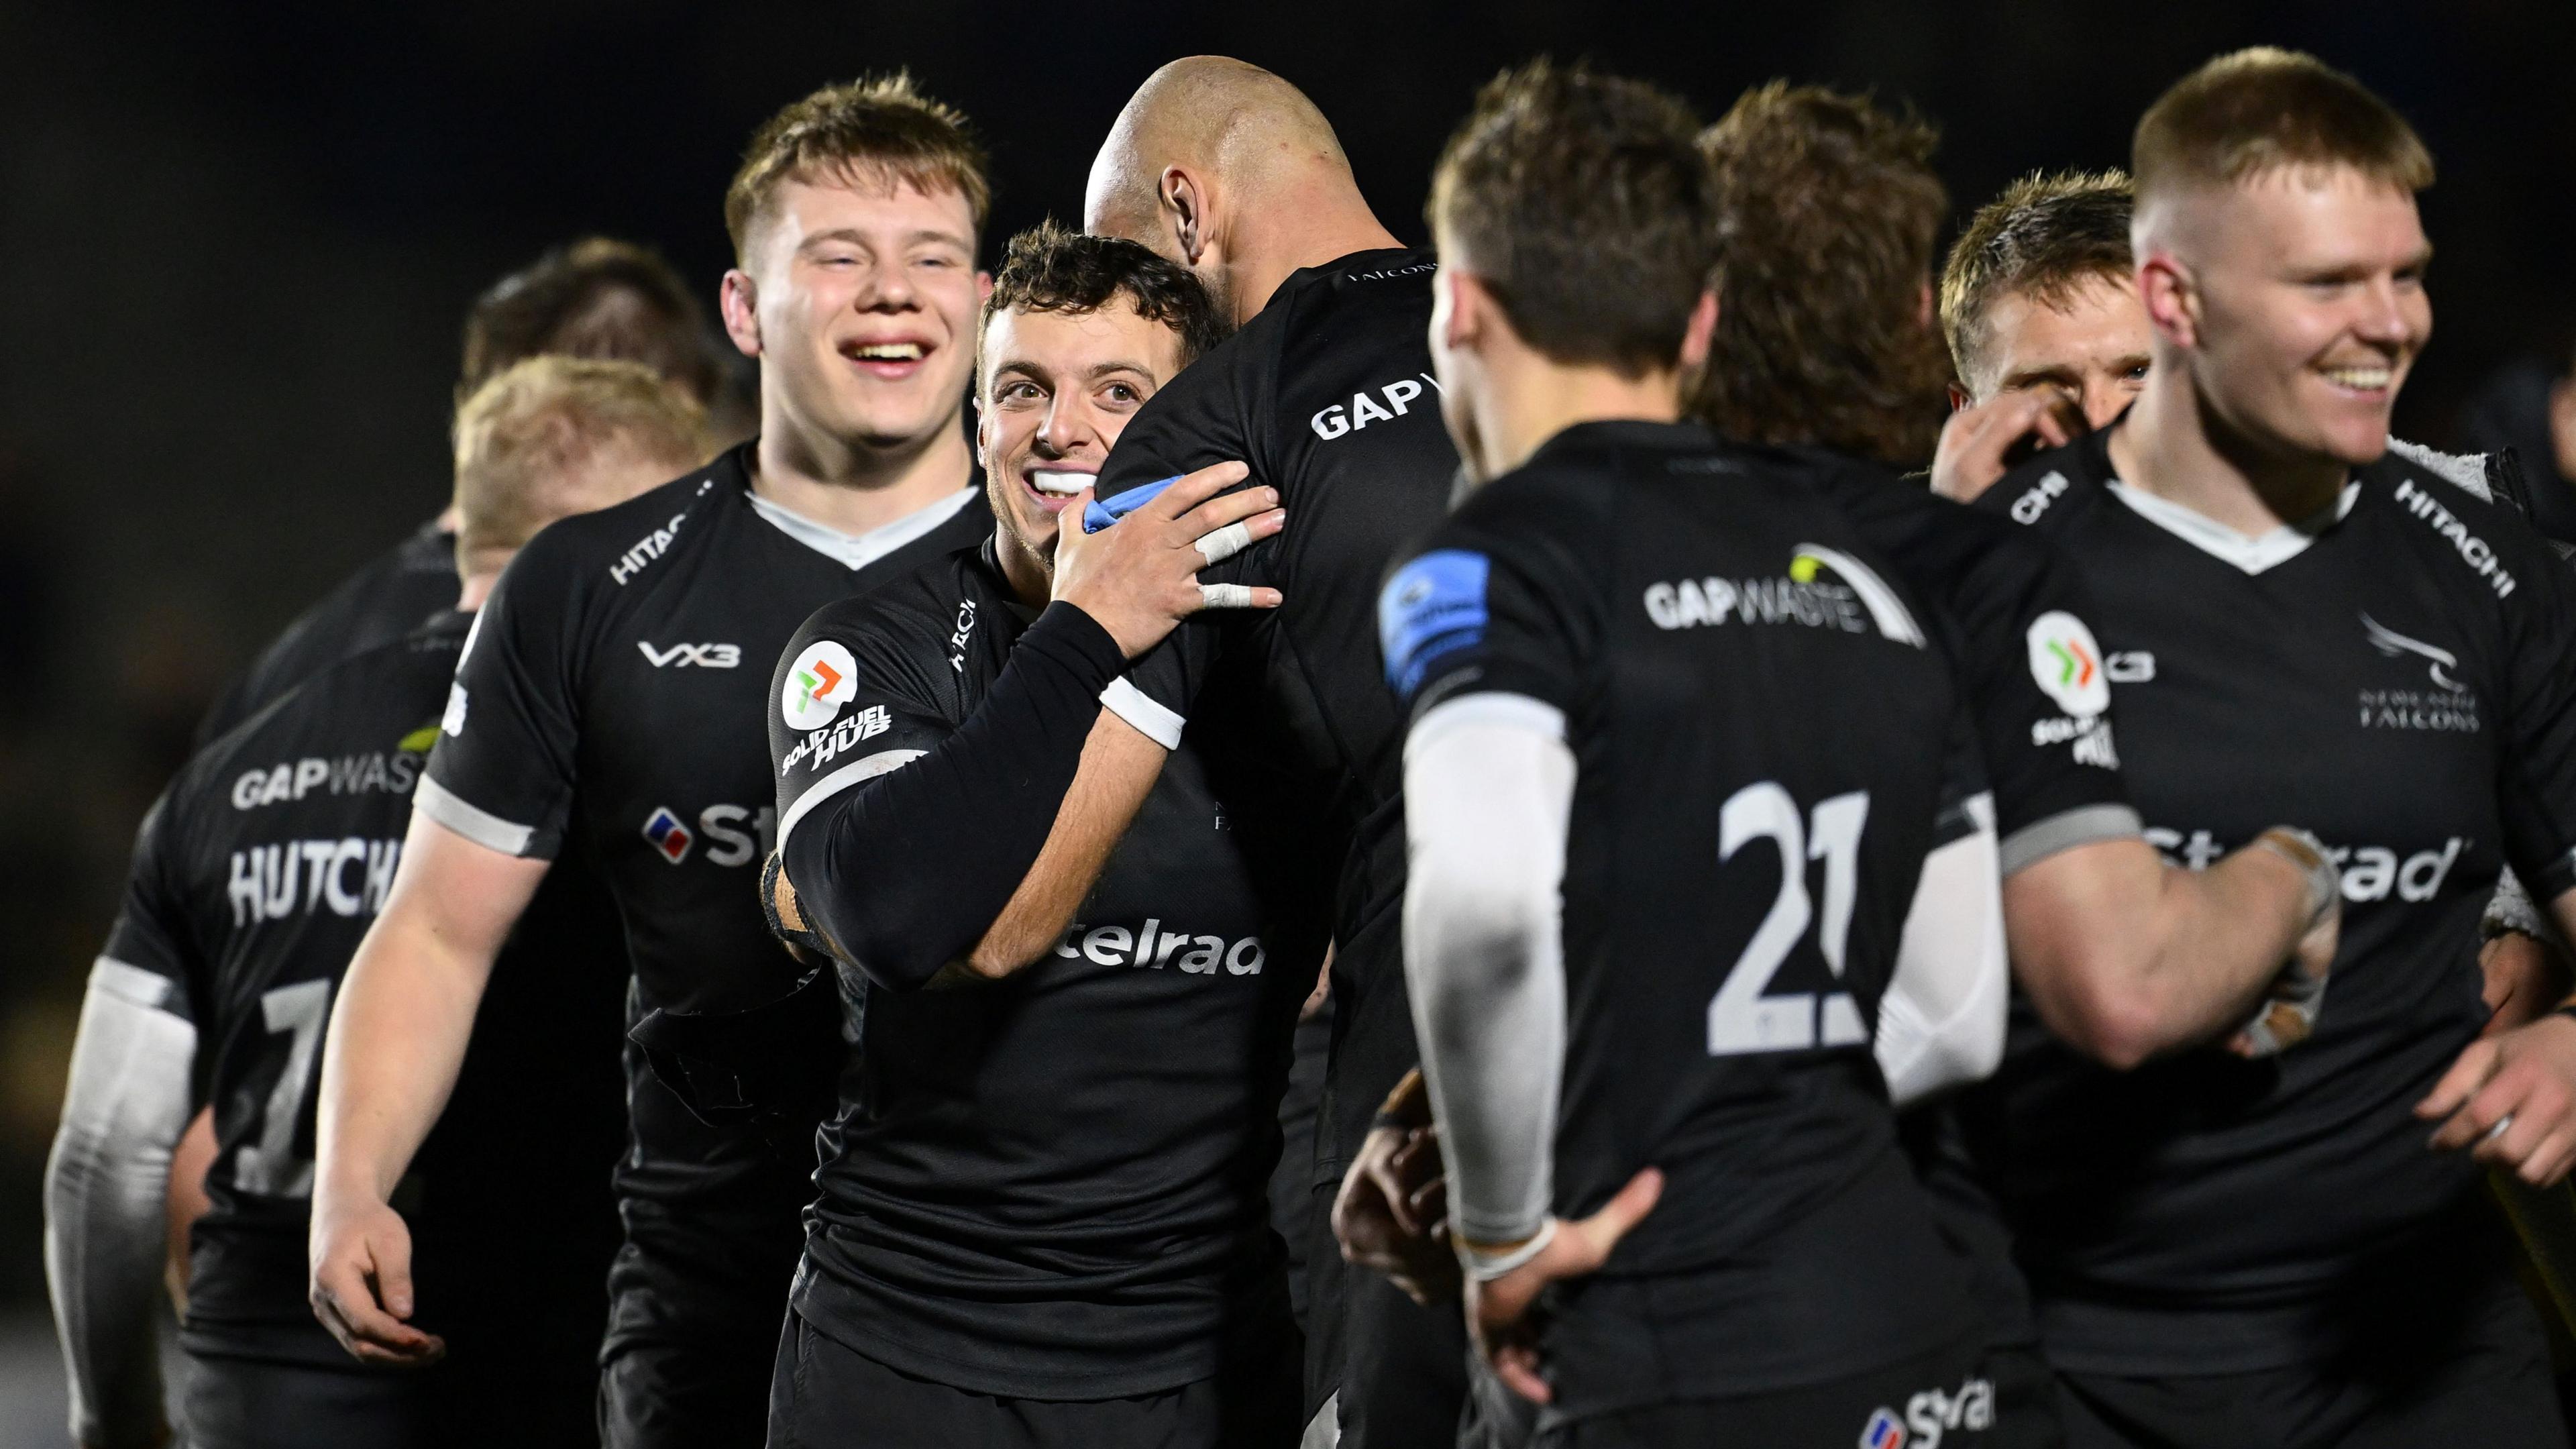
1103 513
1432 608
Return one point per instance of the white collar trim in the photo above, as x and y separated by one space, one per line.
857 551
2252 554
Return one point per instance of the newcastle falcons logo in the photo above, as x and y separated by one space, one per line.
2396 646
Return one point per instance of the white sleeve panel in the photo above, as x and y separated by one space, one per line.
1941 1023
1488 784
106 1193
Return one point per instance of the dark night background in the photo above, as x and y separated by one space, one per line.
238 240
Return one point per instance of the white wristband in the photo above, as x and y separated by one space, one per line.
1485 1267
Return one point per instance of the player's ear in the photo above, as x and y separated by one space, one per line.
983 288
2172 299
738 302
1184 207
1958 397
1699 332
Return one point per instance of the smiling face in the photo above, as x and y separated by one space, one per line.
2094 345
2307 309
1057 389
864 296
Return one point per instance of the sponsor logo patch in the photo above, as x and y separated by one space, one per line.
684 656
1161 948
2067 664
1823 588
664 832
1932 1416
821 680
1377 405
1432 608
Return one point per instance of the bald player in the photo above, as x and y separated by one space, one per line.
1326 393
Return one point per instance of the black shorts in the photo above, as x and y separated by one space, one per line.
2484 1381
241 1403
713 1228
825 1395
1946 1398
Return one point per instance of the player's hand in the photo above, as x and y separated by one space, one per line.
361 1289
1499 1316
1139 577
1392 1213
2511 1100
2288 1013
1982 443
2524 977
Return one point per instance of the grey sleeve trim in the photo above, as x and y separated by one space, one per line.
2066 830
854 773
471 821
2464 471
1149 715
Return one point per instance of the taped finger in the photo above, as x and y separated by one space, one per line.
1225 596
1225 543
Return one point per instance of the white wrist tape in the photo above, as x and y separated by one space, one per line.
1485 1267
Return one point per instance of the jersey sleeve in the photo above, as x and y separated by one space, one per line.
152 957
2538 744
1215 411
2039 688
904 830
848 705
1499 602
503 771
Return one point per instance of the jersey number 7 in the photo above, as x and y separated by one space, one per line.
1741 1018
269 1166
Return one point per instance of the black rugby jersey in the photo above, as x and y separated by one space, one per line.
614 690
1051 1186
1747 683
2045 736
2395 676
253 881
1327 395
391 595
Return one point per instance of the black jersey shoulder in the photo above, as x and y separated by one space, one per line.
617 549
1361 310
339 727
2056 487
386 598
920 633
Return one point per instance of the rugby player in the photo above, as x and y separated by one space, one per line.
613 700
1326 393
2039 302
252 880
2194 956
1611 822
2040 294
2301 617
1043 1214
596 297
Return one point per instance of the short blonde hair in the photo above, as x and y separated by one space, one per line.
2045 237
535 421
2256 111
882 129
